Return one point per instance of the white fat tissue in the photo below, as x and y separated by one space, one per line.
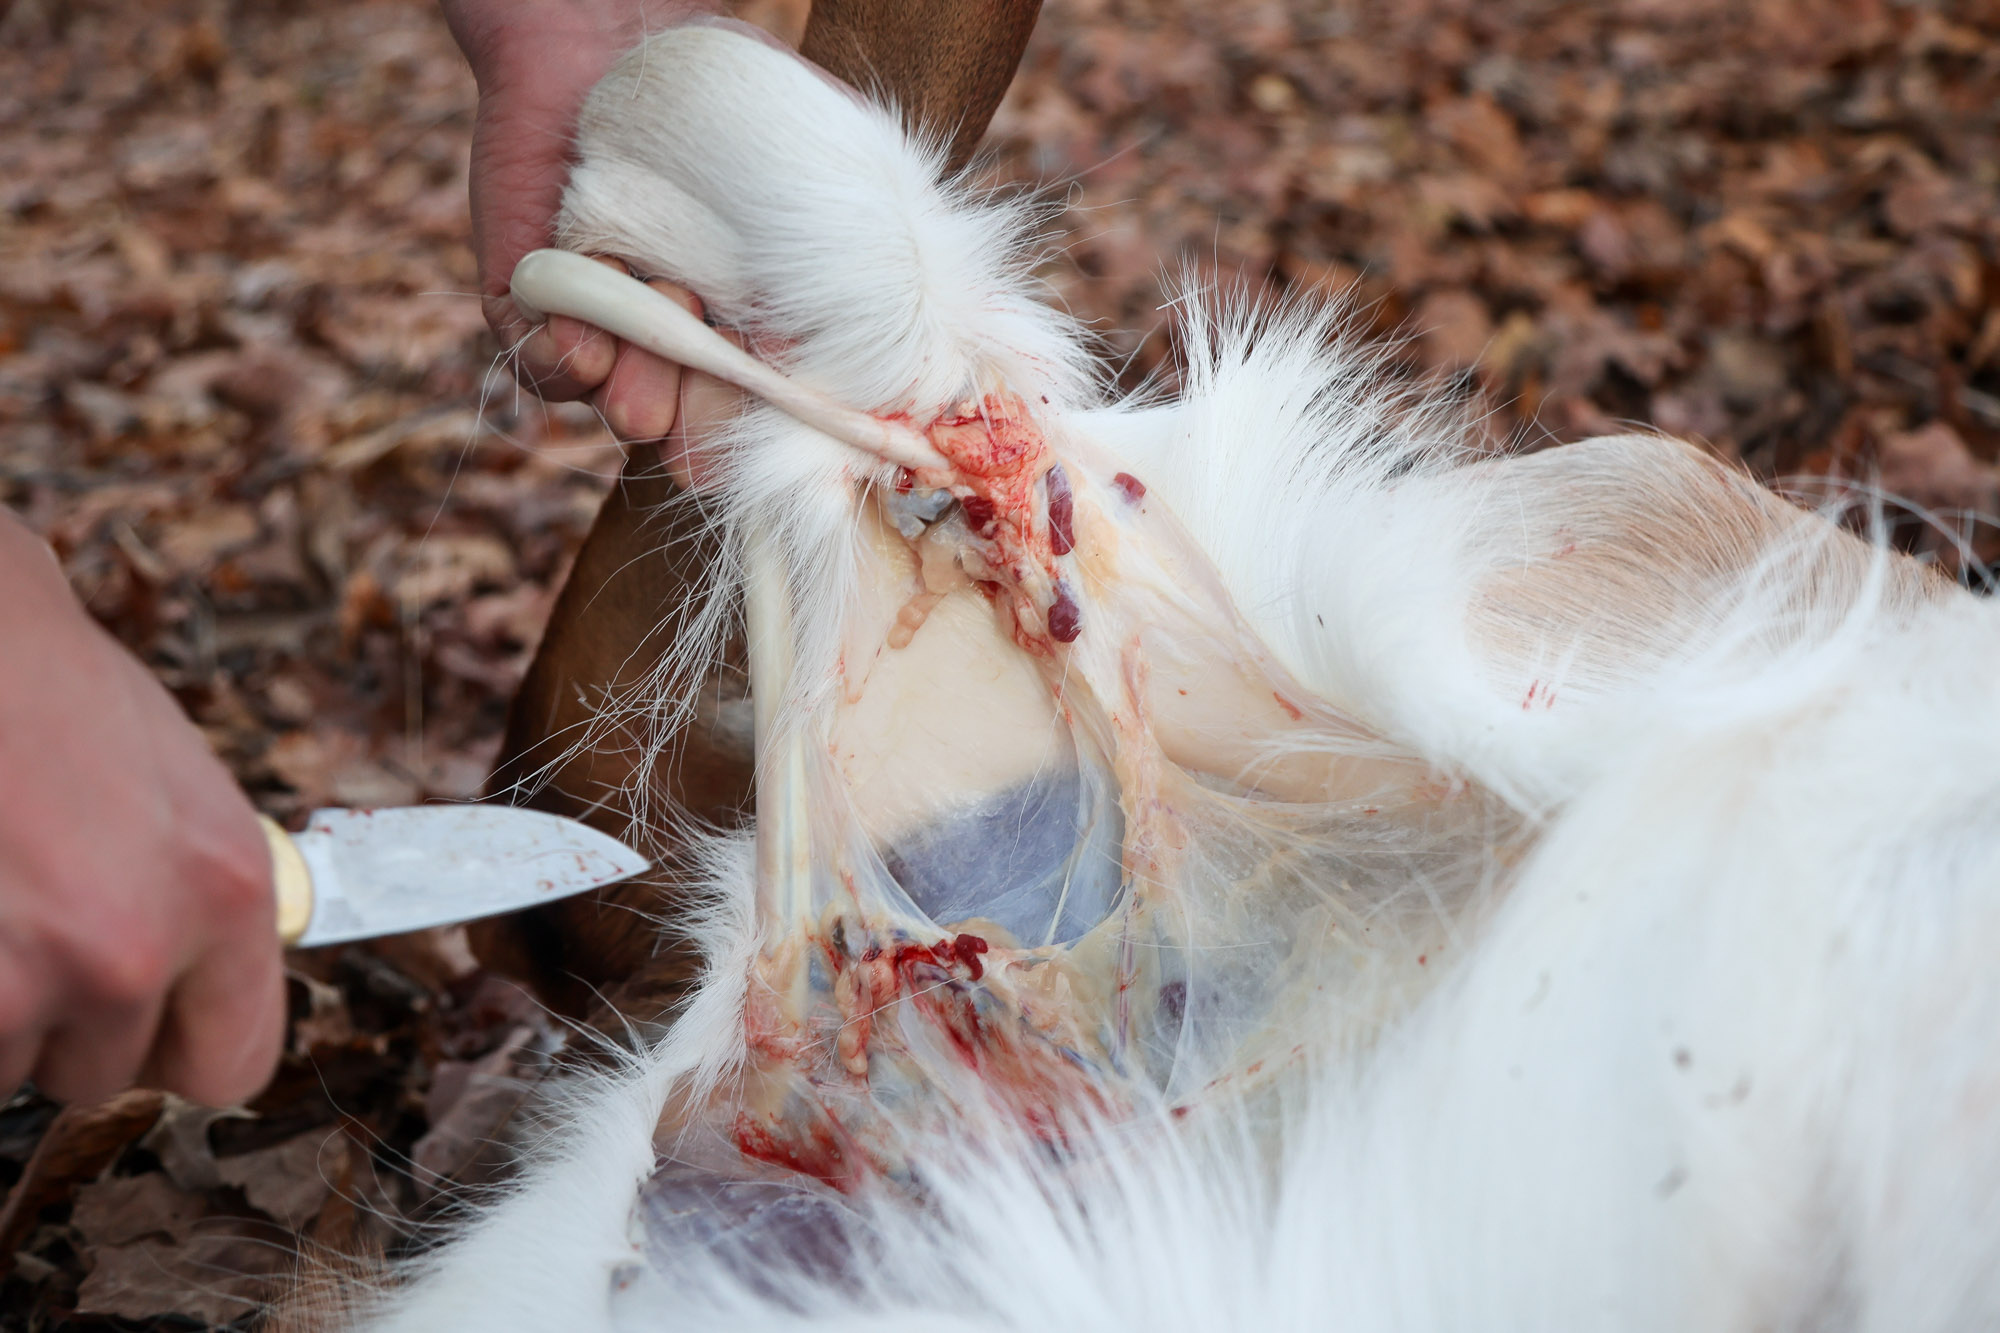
1252 860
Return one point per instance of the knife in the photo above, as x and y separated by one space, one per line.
353 874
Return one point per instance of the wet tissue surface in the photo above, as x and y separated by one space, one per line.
1033 860
1033 886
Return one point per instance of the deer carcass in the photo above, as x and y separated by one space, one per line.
1248 860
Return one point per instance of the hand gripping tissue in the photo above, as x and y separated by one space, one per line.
1247 860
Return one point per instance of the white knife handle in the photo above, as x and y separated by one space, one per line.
291 880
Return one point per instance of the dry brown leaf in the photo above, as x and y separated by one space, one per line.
223 1272
1932 468
1454 328
124 1209
230 238
192 544
469 1105
80 1142
289 1182
180 1140
448 567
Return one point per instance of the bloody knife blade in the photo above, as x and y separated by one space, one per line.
353 874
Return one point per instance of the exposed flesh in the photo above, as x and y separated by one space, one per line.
1010 874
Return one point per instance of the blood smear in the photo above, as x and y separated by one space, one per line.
1062 512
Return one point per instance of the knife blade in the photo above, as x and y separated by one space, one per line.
353 874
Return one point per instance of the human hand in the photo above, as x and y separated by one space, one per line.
535 60
137 935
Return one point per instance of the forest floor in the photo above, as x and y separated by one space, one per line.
246 396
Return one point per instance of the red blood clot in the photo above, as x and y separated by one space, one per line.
1065 617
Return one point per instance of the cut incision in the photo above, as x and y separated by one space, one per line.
1063 844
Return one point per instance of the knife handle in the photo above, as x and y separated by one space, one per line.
291 881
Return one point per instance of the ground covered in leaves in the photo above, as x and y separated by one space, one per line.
246 396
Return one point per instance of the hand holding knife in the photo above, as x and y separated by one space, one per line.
136 934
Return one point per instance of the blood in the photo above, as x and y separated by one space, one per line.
979 513
820 1156
1039 1081
966 949
995 439
951 1007
997 454
961 950
1062 511
1130 487
1291 709
1065 619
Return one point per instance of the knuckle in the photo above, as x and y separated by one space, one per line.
238 888
128 969
227 877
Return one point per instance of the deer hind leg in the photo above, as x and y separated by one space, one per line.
946 64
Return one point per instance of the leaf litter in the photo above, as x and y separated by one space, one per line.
247 396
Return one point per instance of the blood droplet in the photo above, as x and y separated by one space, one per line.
1130 487
978 512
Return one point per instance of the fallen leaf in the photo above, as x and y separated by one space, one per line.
288 1183
1931 467
468 1105
220 1274
124 1209
180 1140
447 567
1454 327
193 544
79 1143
